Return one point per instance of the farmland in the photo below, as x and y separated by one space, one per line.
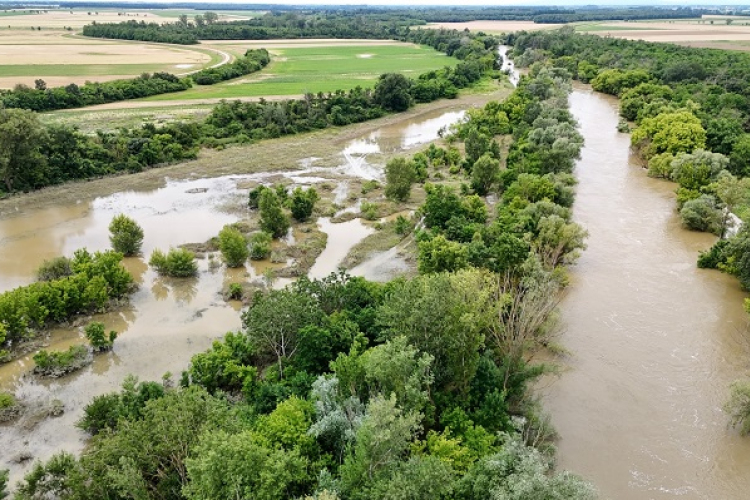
321 67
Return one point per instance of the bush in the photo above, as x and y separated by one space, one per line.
4 477
369 210
235 291
233 247
701 214
399 176
7 400
303 203
260 245
96 336
178 263
253 197
126 235
105 411
273 220
59 363
738 406
54 269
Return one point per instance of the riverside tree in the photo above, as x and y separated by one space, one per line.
399 176
233 247
125 235
273 220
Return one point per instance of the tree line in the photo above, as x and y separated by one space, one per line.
341 388
70 96
33 155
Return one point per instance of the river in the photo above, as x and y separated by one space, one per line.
654 341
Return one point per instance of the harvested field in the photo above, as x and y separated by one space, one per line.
75 18
684 32
60 58
495 26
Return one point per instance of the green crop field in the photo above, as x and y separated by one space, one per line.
322 69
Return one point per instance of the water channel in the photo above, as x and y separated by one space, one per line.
654 341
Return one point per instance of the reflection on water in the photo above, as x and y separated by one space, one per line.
655 341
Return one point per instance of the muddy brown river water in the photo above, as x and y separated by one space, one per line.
168 320
654 341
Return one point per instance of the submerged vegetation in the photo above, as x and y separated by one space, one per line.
95 280
345 388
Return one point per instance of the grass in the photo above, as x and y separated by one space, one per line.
322 69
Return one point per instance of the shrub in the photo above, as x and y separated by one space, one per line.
701 214
97 337
403 225
260 245
177 263
233 247
399 176
253 197
106 410
54 269
303 203
738 406
7 400
58 363
369 210
235 291
125 235
273 220
369 186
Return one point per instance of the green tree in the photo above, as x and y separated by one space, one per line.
4 475
22 136
738 406
520 472
303 202
670 132
438 254
381 440
177 263
399 176
95 333
484 174
260 245
702 214
273 220
273 323
125 235
228 466
558 241
468 305
233 247
392 92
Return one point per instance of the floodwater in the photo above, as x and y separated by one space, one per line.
654 341
167 320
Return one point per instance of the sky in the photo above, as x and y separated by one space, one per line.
488 3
